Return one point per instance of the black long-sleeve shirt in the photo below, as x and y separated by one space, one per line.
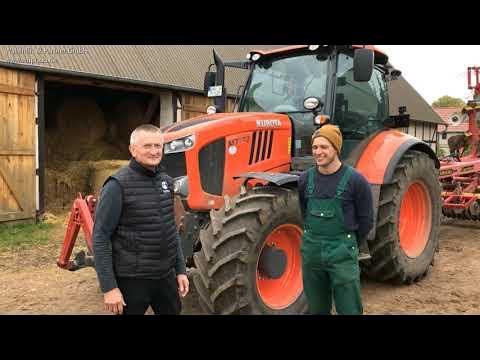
357 198
107 217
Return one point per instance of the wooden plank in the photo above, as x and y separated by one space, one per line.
17 122
11 139
8 202
28 172
4 123
27 80
9 89
14 183
11 216
12 77
19 152
26 119
195 108
3 75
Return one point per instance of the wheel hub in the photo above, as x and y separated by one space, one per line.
415 219
279 270
272 262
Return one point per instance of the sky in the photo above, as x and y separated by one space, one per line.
435 70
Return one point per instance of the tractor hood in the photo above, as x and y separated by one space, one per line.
223 124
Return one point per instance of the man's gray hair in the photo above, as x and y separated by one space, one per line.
146 128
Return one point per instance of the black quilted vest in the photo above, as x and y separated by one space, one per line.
144 243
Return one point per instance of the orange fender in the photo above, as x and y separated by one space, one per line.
384 150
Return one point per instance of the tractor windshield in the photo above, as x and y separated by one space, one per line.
281 85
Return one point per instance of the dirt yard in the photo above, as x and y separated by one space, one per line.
31 283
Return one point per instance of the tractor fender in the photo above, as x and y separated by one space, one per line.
383 152
279 179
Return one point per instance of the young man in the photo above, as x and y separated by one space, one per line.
336 203
138 257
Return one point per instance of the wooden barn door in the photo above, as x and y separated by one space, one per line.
18 195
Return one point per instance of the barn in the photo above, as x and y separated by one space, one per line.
66 113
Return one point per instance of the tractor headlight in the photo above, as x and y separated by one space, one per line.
180 186
179 145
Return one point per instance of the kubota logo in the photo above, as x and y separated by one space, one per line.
269 123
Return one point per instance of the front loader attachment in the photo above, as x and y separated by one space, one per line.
81 216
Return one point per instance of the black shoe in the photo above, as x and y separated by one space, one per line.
364 256
363 251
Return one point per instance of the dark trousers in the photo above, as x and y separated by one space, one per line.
161 294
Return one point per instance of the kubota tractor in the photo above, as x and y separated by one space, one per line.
236 175
460 175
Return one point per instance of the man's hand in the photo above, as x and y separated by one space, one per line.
113 301
183 283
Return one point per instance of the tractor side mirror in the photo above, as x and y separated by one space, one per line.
209 81
363 64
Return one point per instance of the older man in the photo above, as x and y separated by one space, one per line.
138 257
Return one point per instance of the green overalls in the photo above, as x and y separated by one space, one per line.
329 254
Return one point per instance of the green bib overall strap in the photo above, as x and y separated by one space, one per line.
324 216
310 183
342 185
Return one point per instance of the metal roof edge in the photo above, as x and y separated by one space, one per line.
84 74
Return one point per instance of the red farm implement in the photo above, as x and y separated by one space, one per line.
460 176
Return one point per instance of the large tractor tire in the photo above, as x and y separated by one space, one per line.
408 222
250 262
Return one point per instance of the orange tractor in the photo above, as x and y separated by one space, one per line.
236 175
460 175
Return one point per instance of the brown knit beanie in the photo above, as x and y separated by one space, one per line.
331 133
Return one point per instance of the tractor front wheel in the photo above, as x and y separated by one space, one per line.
250 260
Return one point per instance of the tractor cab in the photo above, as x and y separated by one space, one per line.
343 85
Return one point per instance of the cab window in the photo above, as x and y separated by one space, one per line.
360 107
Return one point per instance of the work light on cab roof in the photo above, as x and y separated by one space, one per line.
254 56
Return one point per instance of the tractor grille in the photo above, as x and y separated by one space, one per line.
212 164
261 148
174 164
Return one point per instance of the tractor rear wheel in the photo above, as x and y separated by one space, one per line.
250 261
408 222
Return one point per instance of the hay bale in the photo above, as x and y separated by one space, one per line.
102 151
51 218
75 177
80 121
101 170
127 115
54 150
51 176
62 186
